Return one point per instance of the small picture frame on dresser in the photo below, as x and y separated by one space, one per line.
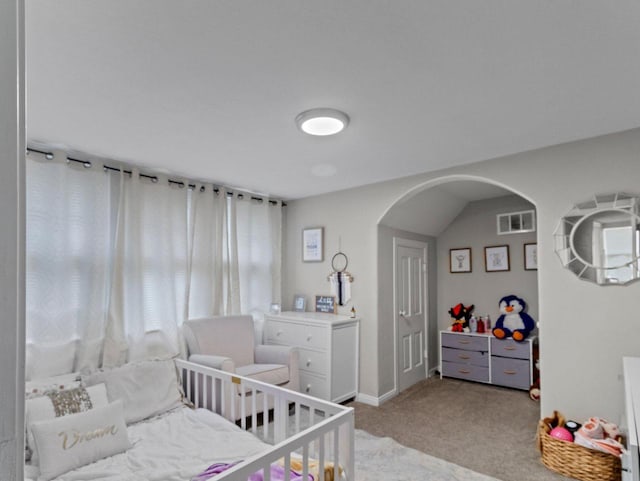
299 303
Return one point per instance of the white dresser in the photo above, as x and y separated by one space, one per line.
328 345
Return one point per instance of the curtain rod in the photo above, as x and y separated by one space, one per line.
154 178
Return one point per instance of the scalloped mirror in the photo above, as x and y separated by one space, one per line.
599 240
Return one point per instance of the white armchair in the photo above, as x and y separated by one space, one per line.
227 343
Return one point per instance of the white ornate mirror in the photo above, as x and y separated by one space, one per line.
599 240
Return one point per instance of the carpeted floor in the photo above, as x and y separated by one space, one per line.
485 428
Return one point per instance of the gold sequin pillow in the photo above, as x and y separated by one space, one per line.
56 404
40 387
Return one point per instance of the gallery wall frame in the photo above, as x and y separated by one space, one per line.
496 258
460 260
531 256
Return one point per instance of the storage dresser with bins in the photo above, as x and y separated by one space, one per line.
328 346
484 358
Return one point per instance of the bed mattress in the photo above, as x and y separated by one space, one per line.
173 447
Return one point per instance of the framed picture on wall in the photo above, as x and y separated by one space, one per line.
496 258
460 260
531 257
312 248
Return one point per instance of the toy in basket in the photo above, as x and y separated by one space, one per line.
560 454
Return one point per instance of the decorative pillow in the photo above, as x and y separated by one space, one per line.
72 441
147 388
61 403
46 360
40 387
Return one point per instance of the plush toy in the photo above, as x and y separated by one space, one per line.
460 316
513 321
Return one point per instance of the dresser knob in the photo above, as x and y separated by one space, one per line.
308 338
308 362
308 387
278 333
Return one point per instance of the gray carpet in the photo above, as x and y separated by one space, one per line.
487 429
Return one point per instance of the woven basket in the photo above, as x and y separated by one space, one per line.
575 461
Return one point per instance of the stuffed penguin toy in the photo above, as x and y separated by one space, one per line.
513 321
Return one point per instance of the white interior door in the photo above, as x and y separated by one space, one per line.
411 311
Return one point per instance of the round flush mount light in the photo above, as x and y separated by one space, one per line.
322 121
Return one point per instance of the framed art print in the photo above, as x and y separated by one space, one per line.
531 257
312 244
460 260
496 258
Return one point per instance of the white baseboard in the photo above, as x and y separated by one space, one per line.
367 399
375 401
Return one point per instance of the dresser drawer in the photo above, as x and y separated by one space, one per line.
313 361
315 386
462 341
465 371
510 372
292 334
510 348
477 358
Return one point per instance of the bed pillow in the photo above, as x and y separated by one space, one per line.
58 404
70 442
146 388
40 387
46 360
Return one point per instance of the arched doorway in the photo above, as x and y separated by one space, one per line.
453 212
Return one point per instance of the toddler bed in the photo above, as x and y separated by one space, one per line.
139 428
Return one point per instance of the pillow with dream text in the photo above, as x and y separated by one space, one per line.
58 404
146 388
70 442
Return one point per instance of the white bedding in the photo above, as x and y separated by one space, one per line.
173 447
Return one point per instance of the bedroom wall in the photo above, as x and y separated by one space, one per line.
475 227
11 241
585 329
386 330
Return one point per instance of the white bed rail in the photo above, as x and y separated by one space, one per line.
317 430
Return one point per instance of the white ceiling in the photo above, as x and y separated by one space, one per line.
210 89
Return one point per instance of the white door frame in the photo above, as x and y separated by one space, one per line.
398 242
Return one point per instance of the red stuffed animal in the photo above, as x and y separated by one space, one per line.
460 315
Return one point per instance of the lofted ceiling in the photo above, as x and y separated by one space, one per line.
210 88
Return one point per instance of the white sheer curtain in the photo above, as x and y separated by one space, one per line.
118 262
150 271
208 233
68 256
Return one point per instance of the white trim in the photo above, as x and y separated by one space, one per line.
376 401
403 242
385 397
367 399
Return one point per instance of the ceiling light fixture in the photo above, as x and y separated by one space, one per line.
322 121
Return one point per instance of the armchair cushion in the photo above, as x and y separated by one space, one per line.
270 373
216 362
